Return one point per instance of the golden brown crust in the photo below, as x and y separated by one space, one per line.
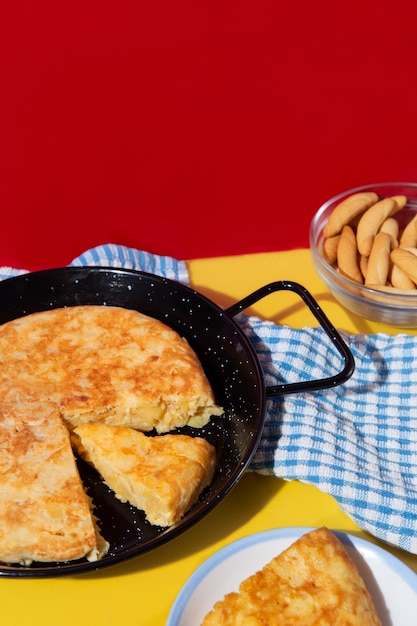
44 511
107 364
75 365
312 583
161 475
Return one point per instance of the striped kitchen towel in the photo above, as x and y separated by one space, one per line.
356 441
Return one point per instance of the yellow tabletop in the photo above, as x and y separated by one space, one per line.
141 591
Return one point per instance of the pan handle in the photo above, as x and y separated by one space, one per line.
340 345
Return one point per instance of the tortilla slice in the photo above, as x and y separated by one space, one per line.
314 582
162 475
45 514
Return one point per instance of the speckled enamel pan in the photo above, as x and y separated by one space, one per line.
228 358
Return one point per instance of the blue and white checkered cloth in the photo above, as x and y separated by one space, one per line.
357 441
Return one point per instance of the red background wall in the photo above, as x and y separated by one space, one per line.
195 128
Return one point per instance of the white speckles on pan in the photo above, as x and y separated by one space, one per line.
228 359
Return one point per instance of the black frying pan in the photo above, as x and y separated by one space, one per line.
228 358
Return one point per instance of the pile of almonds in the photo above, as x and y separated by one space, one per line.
364 242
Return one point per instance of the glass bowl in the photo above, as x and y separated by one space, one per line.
396 307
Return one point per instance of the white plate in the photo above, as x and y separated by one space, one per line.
392 584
